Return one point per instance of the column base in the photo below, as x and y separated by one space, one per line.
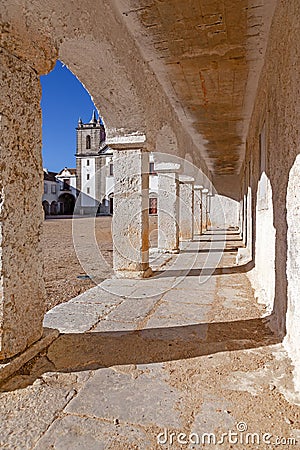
134 274
10 366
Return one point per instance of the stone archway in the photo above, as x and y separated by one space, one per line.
54 208
111 203
68 202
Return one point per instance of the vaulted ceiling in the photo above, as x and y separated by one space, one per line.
208 55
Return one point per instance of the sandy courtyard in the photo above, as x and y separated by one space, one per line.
61 265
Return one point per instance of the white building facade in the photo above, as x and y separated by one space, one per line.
95 171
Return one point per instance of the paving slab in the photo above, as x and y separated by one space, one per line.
98 295
133 310
119 287
115 326
27 413
143 400
78 433
189 296
215 414
170 309
76 317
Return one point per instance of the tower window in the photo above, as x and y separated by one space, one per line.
88 190
88 176
88 142
111 169
87 162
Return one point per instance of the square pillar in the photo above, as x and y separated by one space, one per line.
186 208
168 207
204 210
22 292
198 209
130 226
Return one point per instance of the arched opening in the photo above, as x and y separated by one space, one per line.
66 176
68 202
54 208
46 208
111 203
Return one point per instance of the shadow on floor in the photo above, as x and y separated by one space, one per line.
220 240
76 352
211 250
207 271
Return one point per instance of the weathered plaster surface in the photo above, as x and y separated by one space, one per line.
131 217
197 209
277 104
22 288
168 207
186 208
292 340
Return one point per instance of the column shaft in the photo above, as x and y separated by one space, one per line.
131 213
197 210
21 213
186 208
204 210
168 209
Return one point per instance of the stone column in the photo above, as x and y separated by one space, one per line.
198 209
21 214
204 209
186 208
168 207
131 207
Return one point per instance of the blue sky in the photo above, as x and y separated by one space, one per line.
64 100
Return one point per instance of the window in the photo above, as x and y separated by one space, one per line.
45 188
87 162
111 169
153 205
66 185
53 189
88 142
151 169
262 201
88 176
88 190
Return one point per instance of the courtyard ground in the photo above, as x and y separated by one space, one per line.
138 362
64 275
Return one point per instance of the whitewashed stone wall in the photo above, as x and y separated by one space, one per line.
277 105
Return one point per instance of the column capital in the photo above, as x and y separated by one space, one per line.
127 142
198 187
166 167
205 191
186 179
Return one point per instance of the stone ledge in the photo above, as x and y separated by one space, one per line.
8 368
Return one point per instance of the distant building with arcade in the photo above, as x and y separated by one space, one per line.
91 185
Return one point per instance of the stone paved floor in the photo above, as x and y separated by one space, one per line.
186 351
